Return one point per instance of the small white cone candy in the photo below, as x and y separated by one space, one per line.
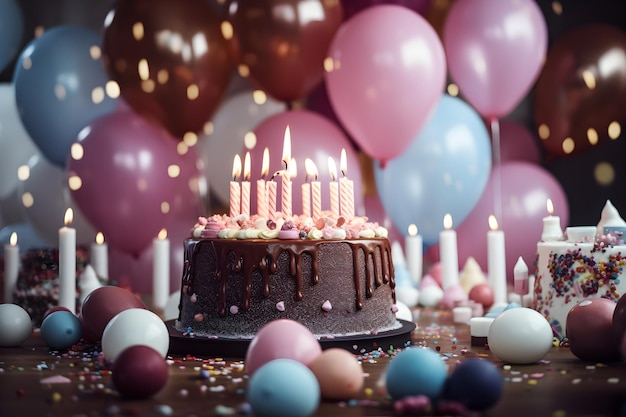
88 281
471 275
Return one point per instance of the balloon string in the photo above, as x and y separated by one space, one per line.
497 178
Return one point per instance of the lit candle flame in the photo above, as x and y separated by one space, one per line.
343 163
13 239
412 230
246 167
287 147
99 238
162 234
236 167
447 221
69 216
311 169
265 168
493 222
549 206
292 172
332 168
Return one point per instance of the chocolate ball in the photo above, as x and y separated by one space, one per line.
589 328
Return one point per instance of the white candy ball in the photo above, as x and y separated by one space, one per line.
520 336
404 312
15 325
430 296
134 326
408 295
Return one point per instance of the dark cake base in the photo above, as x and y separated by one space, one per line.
236 348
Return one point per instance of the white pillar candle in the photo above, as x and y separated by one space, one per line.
99 258
235 188
11 267
261 188
414 247
346 189
333 188
67 263
496 261
448 252
160 270
245 186
551 225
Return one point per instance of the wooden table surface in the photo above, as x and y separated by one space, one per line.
560 385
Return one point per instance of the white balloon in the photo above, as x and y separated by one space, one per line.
15 325
47 190
132 327
238 115
16 146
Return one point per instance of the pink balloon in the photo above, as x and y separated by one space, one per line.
312 136
495 51
389 73
525 189
281 339
517 143
133 180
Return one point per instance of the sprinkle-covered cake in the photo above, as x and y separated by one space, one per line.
586 266
334 276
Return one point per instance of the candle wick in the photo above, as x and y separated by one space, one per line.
343 173
276 174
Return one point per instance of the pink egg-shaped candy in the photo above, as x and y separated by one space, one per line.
139 372
589 328
482 294
339 374
281 339
452 296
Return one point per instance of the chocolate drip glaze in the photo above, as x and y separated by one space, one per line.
245 257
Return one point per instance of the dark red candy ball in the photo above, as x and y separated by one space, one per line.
589 328
482 294
139 372
104 303
619 318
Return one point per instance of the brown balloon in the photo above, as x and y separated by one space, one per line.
581 89
170 60
283 43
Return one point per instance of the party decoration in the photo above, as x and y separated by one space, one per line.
444 170
11 31
61 329
238 116
517 143
60 88
15 144
283 388
388 73
580 97
128 179
139 372
352 7
44 199
415 371
131 327
520 336
495 51
312 136
170 60
474 382
591 332
283 43
522 189
104 303
281 339
28 238
15 325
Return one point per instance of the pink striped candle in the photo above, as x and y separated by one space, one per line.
235 189
333 187
261 188
346 187
245 186
316 188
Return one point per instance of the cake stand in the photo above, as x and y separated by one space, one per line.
236 348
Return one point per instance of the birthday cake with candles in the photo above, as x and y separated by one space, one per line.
584 262
327 269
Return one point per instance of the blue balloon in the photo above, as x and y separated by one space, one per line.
11 30
61 330
60 88
445 169
283 388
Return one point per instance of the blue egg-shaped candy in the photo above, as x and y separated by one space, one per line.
416 371
283 388
61 330
475 383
